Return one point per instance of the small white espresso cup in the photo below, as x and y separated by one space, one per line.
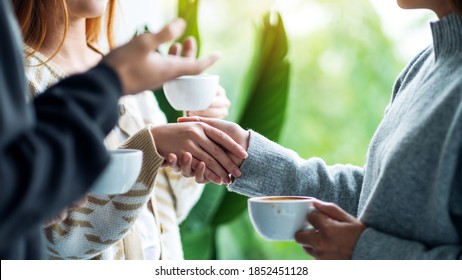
120 174
191 93
280 217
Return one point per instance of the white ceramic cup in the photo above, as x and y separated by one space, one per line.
280 217
191 93
120 174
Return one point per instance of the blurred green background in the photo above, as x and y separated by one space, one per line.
321 93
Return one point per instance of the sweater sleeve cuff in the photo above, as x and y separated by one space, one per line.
251 168
152 161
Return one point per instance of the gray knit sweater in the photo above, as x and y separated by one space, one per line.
409 193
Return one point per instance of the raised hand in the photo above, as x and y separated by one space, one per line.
187 50
205 143
220 106
140 68
335 235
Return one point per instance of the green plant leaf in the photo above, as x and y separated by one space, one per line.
267 94
171 114
200 244
188 10
197 233
204 211
268 80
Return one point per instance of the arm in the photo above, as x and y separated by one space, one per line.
103 221
271 169
43 168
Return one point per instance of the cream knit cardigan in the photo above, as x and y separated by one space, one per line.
104 227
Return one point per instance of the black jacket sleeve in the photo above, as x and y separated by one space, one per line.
51 149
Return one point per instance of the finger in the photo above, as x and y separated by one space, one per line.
310 251
189 47
226 142
219 102
208 174
175 49
168 33
310 238
79 203
199 174
218 154
221 91
219 163
319 220
333 211
195 67
173 162
179 66
186 169
237 161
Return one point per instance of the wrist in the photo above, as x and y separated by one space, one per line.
246 140
157 132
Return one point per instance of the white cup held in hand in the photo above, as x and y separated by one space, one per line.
191 93
120 174
280 217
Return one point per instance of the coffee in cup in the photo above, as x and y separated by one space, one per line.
191 93
280 217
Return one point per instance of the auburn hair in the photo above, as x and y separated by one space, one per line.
31 15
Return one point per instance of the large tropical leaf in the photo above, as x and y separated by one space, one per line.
266 98
198 228
265 94
187 9
199 244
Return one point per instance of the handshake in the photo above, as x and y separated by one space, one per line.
211 150
208 149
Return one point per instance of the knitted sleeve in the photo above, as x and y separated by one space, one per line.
272 169
104 220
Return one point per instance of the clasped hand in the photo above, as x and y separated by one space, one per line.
201 148
232 143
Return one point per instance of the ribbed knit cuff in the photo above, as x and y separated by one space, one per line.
152 161
253 168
